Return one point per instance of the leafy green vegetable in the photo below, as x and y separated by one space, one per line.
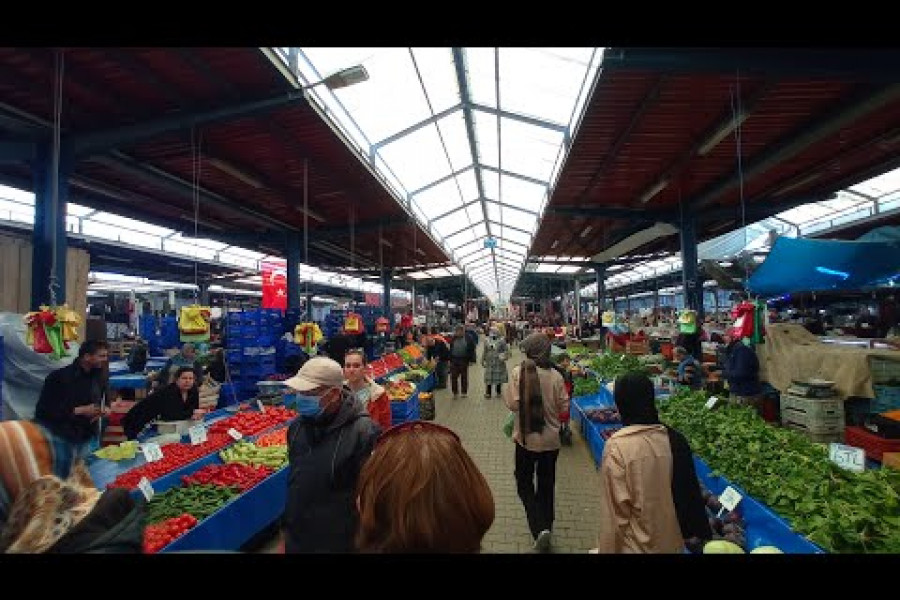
585 386
610 365
836 509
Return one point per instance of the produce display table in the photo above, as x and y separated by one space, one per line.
763 526
129 382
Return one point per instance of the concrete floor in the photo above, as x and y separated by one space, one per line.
478 422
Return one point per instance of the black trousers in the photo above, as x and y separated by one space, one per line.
459 370
539 501
487 389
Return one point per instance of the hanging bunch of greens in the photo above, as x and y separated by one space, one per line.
839 510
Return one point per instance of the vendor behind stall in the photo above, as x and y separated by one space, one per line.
690 372
177 401
742 373
71 401
186 358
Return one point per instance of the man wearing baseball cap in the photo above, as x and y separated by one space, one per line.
327 446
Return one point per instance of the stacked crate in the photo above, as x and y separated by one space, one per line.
250 353
147 329
169 337
334 321
815 410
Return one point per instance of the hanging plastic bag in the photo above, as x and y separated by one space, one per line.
36 335
609 318
508 424
194 321
382 325
687 321
70 322
353 324
743 326
307 335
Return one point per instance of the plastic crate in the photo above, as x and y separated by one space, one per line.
812 412
234 355
886 398
874 445
402 409
411 415
820 433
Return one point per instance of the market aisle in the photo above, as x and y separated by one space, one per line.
478 422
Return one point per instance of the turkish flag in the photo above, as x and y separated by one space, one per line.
274 284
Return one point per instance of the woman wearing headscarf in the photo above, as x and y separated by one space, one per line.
493 359
537 394
650 500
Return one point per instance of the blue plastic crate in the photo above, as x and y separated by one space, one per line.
887 398
234 356
403 409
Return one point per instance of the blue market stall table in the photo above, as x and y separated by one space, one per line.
763 526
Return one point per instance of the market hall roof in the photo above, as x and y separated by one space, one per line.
664 130
145 125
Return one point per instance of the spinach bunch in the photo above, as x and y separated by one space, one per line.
839 510
610 365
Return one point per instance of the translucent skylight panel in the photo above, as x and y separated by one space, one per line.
16 195
391 99
438 272
881 185
546 268
516 236
419 275
527 149
478 231
551 94
465 249
568 270
101 230
453 222
238 261
418 158
417 210
202 242
516 218
513 191
454 270
482 78
191 250
448 195
439 76
133 224
493 211
389 175
73 210
456 139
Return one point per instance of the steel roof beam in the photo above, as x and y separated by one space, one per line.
849 111
457 209
511 207
518 176
613 212
510 227
443 179
462 80
849 64
416 127
517 117
102 141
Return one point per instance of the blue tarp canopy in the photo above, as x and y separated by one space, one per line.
802 265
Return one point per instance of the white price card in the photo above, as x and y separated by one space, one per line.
711 403
146 488
847 457
235 433
152 452
197 434
259 404
730 498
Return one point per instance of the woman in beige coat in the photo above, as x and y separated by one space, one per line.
650 500
537 394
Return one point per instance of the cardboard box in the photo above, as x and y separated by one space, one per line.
891 459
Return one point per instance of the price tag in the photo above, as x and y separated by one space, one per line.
730 498
197 434
146 488
235 433
152 452
259 405
847 457
710 404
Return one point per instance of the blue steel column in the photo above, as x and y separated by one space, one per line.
386 276
293 270
690 280
47 229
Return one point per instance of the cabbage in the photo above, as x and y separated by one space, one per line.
722 547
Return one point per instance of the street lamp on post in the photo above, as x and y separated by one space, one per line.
343 78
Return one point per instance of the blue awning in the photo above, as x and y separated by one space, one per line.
804 265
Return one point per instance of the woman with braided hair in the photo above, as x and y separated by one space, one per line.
537 394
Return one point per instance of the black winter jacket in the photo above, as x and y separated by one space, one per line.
325 459
63 390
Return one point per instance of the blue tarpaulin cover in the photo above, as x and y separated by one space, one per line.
802 265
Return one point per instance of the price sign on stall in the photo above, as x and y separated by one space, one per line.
197 434
730 498
259 404
146 488
711 403
235 433
847 457
152 452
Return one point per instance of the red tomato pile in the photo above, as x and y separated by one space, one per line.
251 423
159 535
174 457
232 474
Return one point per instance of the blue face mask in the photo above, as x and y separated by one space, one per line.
308 406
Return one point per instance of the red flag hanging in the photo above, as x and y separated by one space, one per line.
274 284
